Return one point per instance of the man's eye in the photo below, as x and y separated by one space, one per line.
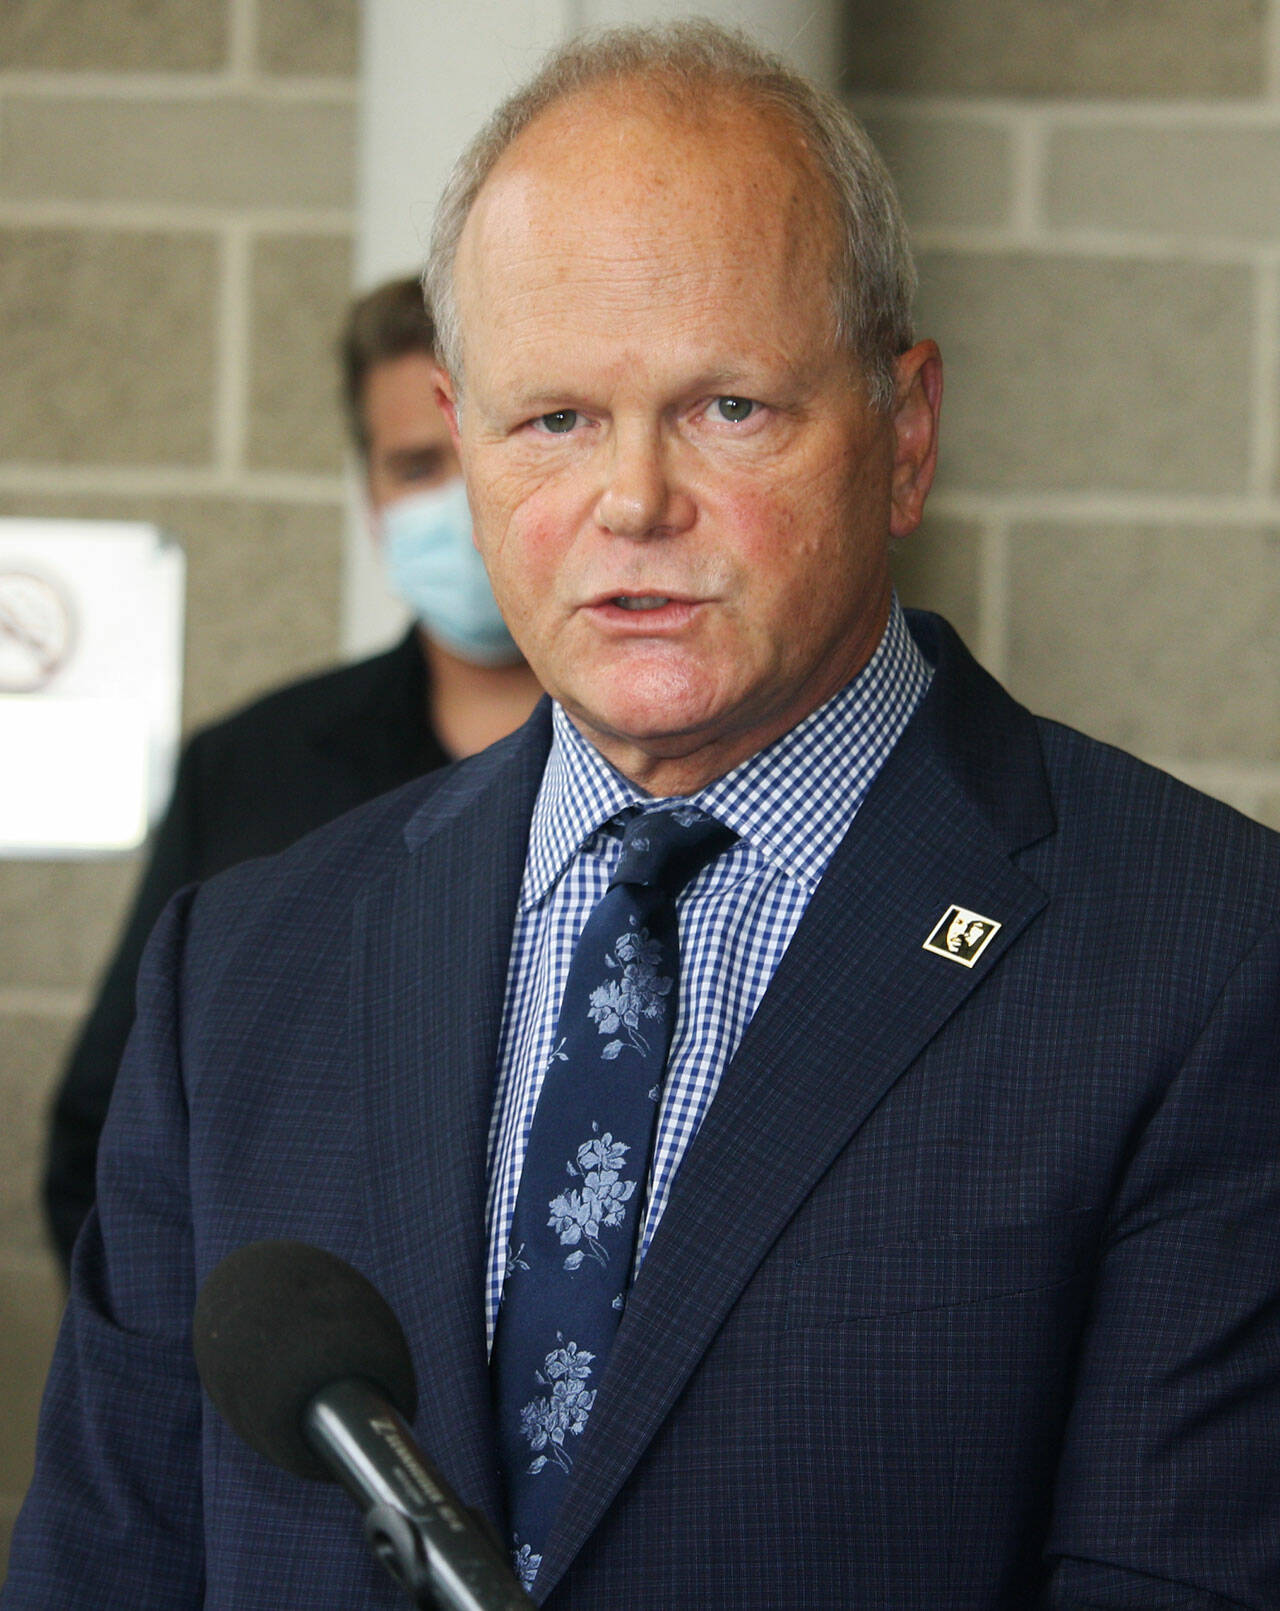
734 409
563 420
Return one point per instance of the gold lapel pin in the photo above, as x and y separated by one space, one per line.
962 936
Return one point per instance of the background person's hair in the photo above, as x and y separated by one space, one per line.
384 324
875 278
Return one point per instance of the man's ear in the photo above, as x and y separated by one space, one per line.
446 396
916 407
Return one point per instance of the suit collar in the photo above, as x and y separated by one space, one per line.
502 775
982 739
962 793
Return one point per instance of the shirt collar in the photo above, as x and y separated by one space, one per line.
793 801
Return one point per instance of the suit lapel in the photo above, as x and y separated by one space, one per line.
428 981
853 1003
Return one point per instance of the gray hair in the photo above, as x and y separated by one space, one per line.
874 277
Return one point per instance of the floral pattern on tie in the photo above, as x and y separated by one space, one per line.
638 992
526 1564
572 1240
579 1216
545 1421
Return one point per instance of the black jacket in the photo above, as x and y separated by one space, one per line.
247 786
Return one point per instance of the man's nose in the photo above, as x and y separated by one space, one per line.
641 495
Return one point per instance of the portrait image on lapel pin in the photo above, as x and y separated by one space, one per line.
962 936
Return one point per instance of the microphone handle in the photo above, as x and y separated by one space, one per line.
439 1551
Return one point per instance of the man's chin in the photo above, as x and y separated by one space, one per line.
663 745
665 727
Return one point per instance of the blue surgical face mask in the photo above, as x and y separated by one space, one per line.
432 564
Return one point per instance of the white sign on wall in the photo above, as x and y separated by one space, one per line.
90 683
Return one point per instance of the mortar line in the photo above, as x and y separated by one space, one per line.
233 353
324 89
242 43
1264 451
25 1264
1132 508
168 481
993 598
43 1001
1223 251
1196 113
1272 25
1028 150
173 217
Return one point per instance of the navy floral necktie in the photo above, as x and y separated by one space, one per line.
573 1234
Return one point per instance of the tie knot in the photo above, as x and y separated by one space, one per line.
666 847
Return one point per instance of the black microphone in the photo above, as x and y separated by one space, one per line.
306 1361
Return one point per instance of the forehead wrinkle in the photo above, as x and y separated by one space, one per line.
624 267
620 287
544 218
627 309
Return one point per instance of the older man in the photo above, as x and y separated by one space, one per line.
817 1124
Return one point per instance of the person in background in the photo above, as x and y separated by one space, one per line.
262 777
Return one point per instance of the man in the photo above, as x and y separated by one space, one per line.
954 1273
266 775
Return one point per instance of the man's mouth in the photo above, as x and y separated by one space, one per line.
647 612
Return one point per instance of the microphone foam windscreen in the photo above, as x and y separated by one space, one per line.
275 1322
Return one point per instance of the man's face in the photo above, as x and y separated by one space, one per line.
410 448
680 493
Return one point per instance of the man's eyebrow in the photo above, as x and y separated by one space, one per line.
727 380
542 400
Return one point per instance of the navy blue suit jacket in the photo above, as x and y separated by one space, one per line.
968 1291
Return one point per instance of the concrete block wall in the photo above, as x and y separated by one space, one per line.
176 216
1092 186
1094 192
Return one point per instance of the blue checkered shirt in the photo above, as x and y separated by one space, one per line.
790 805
